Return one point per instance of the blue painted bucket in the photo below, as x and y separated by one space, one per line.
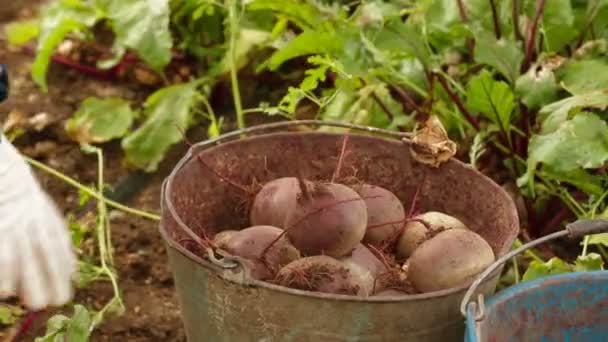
570 307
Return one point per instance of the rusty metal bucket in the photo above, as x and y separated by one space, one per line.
219 302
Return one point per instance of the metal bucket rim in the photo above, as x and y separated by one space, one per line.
167 184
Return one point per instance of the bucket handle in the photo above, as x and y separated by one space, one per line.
296 123
573 230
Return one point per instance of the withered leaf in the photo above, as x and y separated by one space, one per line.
431 145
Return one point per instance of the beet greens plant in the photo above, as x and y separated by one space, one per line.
520 85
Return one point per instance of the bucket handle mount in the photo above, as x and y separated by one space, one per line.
575 229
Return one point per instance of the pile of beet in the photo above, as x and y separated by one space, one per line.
352 240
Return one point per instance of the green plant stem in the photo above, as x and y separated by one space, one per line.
452 81
210 112
97 195
253 110
570 202
529 253
574 202
516 269
506 133
589 22
515 15
405 98
518 131
382 105
407 82
585 245
104 243
462 11
516 158
205 102
234 80
540 6
597 204
506 150
603 251
556 192
593 212
379 101
470 118
102 214
495 20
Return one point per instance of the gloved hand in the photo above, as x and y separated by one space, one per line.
36 256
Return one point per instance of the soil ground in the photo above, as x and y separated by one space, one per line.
152 312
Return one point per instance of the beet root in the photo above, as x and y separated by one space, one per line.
416 232
367 265
251 244
385 213
328 219
451 258
274 202
363 257
322 273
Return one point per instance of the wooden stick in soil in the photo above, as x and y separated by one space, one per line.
218 174
532 36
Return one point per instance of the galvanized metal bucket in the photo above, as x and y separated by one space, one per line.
220 302
566 307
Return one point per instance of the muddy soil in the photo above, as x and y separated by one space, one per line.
152 312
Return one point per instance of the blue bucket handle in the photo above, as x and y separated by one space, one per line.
575 229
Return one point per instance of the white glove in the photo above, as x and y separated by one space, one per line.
36 256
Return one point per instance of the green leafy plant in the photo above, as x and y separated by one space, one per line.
137 24
100 120
523 91
9 314
83 321
91 268
165 108
520 85
63 328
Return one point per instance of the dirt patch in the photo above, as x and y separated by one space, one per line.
152 313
